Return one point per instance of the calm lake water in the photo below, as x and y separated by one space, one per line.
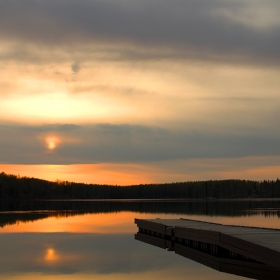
95 239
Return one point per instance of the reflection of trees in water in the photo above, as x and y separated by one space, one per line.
25 211
11 218
264 212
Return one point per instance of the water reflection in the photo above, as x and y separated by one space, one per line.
95 256
95 239
223 261
236 212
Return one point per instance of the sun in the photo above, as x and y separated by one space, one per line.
52 142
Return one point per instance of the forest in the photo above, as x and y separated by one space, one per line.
16 187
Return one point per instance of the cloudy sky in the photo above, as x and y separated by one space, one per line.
127 91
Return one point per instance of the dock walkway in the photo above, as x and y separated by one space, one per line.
191 238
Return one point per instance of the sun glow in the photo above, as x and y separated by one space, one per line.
52 142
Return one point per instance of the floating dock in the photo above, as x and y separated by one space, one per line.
247 251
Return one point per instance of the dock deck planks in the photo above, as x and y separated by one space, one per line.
259 244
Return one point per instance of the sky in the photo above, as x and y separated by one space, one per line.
127 92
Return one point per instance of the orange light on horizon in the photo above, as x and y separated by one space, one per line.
124 174
101 173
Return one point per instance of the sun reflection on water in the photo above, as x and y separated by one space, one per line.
51 255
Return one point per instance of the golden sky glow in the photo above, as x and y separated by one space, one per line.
254 168
187 85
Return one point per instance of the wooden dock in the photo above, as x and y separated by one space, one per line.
247 251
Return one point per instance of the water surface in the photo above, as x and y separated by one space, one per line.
95 239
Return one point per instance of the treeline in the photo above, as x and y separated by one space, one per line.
16 187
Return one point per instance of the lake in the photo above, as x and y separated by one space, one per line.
94 239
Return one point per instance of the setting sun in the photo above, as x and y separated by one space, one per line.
52 142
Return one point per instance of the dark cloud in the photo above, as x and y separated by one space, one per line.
188 29
75 67
129 143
